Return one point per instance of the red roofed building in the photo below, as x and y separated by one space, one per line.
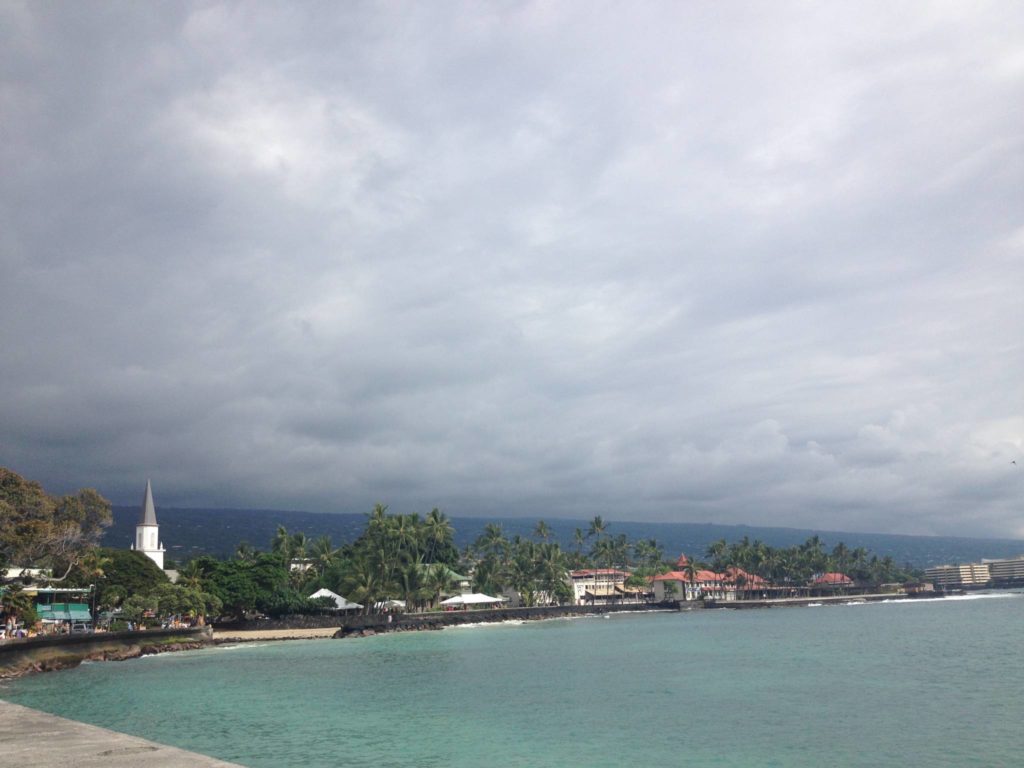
597 585
677 585
744 582
832 580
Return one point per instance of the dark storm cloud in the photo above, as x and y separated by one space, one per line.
680 263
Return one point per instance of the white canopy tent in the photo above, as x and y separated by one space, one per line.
339 601
474 598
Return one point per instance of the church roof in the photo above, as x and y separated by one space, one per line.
148 513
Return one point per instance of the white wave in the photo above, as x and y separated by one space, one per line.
484 624
971 596
239 646
814 605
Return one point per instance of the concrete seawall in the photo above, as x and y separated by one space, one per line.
33 739
432 620
19 657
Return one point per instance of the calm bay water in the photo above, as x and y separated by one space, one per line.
937 683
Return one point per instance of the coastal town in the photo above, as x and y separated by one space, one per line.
404 566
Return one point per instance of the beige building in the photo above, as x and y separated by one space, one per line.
597 585
963 575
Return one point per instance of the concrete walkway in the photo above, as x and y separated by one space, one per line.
33 739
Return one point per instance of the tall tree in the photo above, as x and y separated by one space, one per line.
39 530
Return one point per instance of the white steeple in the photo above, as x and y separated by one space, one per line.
147 532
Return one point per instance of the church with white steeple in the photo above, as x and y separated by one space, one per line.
147 532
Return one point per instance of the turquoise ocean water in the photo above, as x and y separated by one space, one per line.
931 683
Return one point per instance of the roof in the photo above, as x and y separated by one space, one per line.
833 578
735 574
147 515
341 602
474 598
63 612
453 575
582 574
701 576
683 561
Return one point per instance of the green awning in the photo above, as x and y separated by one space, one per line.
63 612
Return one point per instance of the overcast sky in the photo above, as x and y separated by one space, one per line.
729 262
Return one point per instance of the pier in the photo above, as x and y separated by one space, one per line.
34 739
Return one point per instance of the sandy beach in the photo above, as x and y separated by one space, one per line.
242 636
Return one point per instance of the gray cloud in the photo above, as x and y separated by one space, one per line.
706 263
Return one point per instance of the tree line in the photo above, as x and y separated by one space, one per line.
405 557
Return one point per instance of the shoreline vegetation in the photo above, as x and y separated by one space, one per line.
394 575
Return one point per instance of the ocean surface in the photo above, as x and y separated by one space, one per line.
929 683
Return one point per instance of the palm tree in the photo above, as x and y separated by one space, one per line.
578 538
487 576
439 534
14 601
597 528
245 552
281 544
691 570
192 575
411 585
717 553
542 531
362 584
492 540
601 553
299 545
324 554
620 550
438 581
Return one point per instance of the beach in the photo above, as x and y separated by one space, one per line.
251 635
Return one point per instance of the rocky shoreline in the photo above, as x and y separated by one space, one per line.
25 657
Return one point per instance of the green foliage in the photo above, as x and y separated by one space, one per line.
40 530
15 601
245 586
121 573
800 563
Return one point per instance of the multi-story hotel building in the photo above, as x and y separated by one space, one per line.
1006 571
963 575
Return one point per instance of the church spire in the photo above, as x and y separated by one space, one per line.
148 515
147 534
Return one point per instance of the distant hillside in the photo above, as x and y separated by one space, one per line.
188 533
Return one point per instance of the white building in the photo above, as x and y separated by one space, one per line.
966 574
147 532
1006 570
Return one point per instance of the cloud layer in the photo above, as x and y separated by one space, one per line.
683 262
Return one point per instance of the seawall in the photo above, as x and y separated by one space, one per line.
391 622
19 657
